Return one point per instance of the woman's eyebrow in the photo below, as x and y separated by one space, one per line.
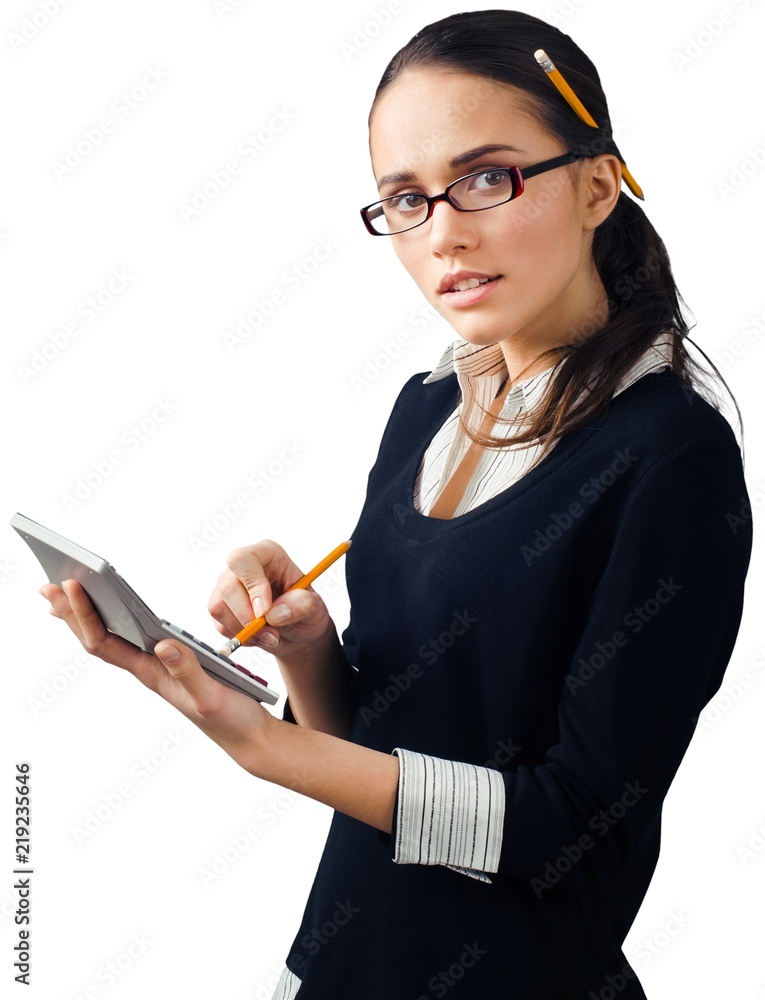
457 161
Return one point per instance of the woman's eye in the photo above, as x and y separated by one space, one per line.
491 179
406 202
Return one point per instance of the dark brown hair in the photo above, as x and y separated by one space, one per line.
631 259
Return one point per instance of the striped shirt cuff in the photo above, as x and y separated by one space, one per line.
287 987
448 813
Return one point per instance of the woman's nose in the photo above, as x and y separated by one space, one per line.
451 231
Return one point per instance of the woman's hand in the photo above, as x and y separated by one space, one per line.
345 776
300 633
236 722
254 584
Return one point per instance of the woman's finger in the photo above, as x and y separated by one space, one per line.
59 605
230 718
265 571
173 672
82 618
296 607
256 575
230 604
203 695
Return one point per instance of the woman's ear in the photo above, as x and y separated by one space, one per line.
601 184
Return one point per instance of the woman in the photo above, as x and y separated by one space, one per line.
546 578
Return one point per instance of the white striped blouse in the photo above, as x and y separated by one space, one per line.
480 372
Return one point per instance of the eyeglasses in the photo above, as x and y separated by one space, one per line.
473 193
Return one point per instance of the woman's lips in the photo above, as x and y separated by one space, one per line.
472 295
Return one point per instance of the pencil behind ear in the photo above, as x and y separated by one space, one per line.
576 105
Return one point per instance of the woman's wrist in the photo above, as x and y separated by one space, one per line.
321 650
317 677
353 779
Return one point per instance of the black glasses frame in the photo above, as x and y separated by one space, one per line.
517 176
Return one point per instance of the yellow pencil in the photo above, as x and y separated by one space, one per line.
305 581
557 78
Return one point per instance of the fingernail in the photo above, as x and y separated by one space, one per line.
279 614
170 654
258 607
269 640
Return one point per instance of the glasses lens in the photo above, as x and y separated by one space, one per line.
483 190
394 215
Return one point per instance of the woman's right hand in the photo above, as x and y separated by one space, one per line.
254 584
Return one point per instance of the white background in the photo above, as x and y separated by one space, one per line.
277 402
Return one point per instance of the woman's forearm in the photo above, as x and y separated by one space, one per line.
345 776
353 779
317 678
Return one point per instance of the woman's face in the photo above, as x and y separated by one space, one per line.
544 288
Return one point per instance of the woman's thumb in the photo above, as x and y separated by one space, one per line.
168 652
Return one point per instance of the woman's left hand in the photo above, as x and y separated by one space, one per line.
236 722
